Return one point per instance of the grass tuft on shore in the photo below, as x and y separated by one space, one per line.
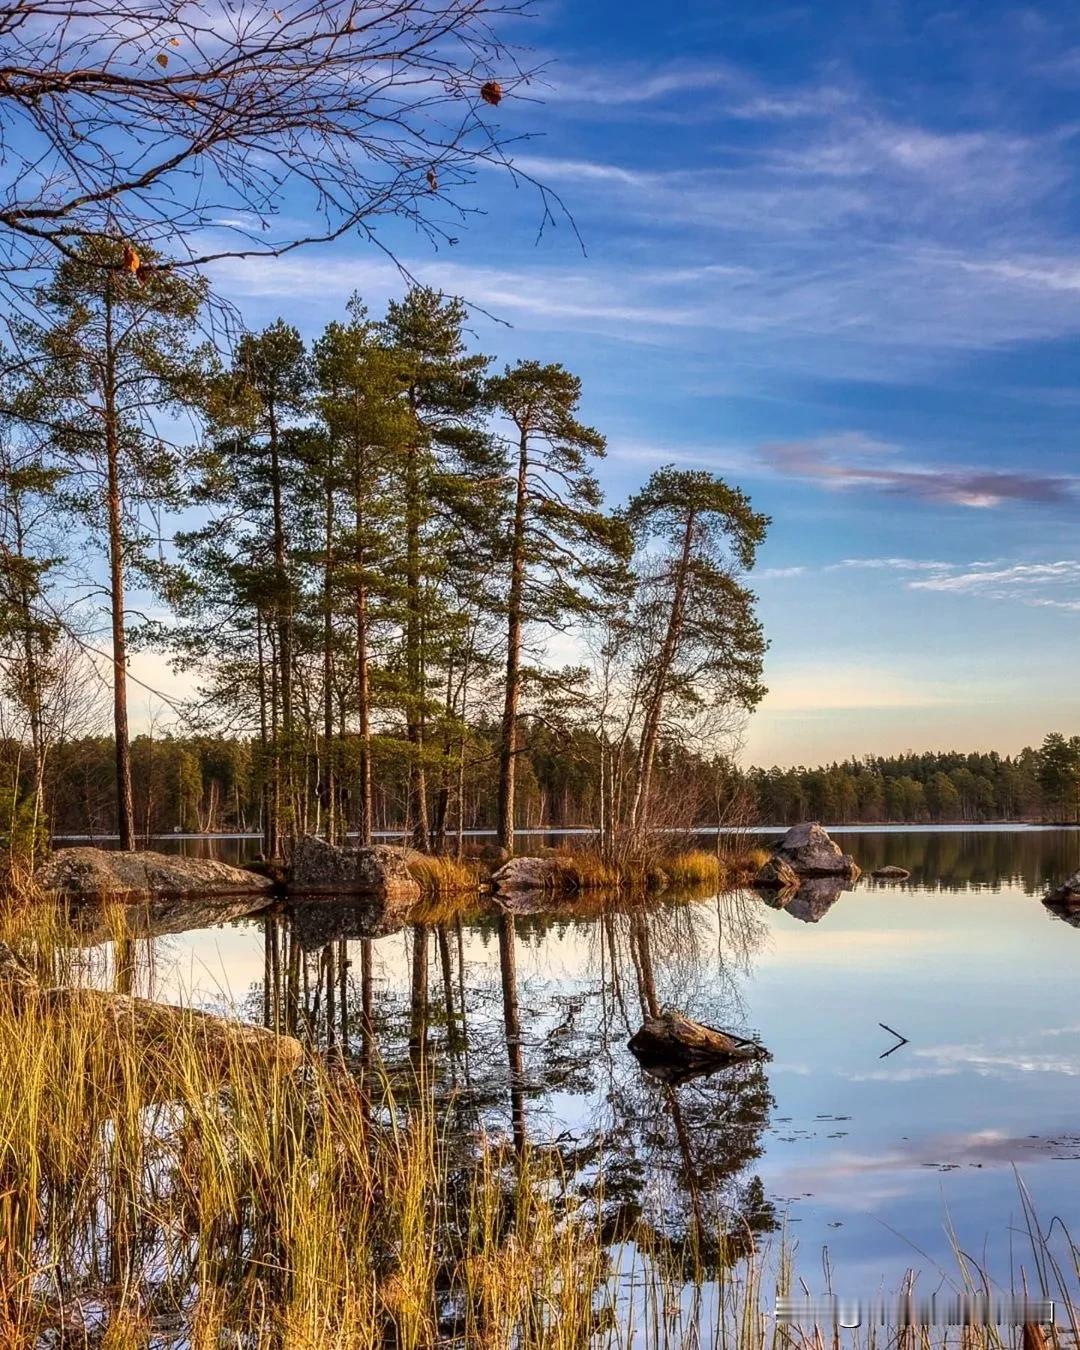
437 874
585 869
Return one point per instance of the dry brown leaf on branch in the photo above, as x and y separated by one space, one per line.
162 60
433 180
491 92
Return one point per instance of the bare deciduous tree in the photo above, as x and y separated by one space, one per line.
210 129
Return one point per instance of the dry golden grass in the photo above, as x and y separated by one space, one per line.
305 1208
585 869
697 868
439 875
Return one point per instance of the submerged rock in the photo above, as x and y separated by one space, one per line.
327 869
811 853
112 874
1067 913
153 1030
777 874
891 873
1068 893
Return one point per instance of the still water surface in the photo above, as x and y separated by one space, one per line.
843 1146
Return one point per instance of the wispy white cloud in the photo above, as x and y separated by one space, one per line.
688 91
1045 602
1032 273
1053 584
1018 575
567 298
774 573
630 84
887 565
1038 585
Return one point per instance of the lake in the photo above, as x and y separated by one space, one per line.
840 1143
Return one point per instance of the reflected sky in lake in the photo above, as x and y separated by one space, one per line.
868 1155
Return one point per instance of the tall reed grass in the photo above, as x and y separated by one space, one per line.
280 1208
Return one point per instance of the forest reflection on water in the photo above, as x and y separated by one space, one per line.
518 1024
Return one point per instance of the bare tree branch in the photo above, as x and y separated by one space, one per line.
211 130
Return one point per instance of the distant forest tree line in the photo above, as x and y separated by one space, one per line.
199 784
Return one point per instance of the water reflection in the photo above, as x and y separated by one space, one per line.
517 1023
657 1159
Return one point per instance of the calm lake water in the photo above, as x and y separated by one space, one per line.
834 1142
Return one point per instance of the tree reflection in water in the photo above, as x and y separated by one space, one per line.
662 1163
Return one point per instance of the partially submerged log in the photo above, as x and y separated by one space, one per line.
150 1030
675 1040
890 873
113 874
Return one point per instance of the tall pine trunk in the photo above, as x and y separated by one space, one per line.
268 805
508 739
33 679
363 682
442 800
283 602
414 659
329 748
654 704
125 808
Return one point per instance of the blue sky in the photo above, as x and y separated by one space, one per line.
830 252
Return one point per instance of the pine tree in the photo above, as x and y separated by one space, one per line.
447 453
116 357
29 627
701 639
257 406
563 553
360 382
